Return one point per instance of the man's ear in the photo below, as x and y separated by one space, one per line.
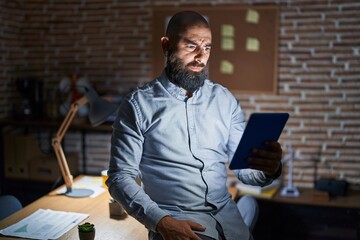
165 43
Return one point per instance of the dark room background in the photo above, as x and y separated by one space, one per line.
110 43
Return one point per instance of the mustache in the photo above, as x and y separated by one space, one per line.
196 64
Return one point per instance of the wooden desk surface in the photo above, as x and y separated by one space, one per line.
351 200
97 208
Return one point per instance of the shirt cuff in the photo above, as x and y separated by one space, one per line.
155 217
276 175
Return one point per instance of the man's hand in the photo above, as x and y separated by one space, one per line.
268 160
172 229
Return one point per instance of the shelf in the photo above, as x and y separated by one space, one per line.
80 124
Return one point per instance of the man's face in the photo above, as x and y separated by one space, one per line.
186 64
193 48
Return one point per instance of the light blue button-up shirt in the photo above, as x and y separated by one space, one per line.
179 147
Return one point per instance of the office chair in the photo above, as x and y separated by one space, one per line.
249 210
9 204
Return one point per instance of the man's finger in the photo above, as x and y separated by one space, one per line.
262 161
266 154
196 226
274 145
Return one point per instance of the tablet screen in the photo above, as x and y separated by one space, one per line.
261 127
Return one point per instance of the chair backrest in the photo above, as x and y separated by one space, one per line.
9 204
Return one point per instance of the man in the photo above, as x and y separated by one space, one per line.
177 133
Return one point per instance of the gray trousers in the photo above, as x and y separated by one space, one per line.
249 210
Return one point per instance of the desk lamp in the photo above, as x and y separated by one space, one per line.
99 110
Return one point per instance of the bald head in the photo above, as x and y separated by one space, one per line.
181 21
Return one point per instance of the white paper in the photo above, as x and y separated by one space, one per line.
92 183
45 224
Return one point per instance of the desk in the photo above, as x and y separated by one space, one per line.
351 200
97 208
303 218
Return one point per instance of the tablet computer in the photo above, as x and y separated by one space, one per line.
261 127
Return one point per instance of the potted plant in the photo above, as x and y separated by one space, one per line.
86 231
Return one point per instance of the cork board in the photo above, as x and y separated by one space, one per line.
244 45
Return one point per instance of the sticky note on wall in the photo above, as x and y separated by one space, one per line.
227 37
227 44
252 44
252 16
226 67
227 30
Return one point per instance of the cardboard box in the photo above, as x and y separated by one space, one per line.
46 167
25 160
18 150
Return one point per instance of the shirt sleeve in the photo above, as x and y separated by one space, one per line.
247 176
254 177
126 151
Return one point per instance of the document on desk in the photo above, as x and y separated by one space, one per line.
45 224
94 183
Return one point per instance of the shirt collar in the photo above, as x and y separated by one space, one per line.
173 89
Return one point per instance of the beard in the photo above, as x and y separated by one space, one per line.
186 79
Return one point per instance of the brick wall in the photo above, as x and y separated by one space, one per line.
110 43
11 20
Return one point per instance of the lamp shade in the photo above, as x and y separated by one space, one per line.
99 109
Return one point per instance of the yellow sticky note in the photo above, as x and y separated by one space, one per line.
252 44
227 44
252 16
227 30
226 67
